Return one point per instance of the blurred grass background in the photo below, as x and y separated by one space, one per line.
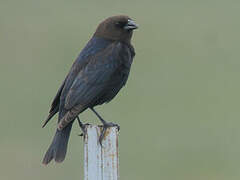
179 113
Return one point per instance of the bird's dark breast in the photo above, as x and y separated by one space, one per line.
119 78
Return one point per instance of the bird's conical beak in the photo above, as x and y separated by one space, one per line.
131 25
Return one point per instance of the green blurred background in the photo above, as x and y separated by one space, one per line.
179 113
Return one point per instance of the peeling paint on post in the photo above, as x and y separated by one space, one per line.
101 163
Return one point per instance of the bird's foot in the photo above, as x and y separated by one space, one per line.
84 129
104 129
104 126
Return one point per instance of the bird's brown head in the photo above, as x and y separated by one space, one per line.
116 28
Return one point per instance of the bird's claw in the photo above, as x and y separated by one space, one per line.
84 129
104 129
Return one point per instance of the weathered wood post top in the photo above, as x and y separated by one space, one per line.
101 163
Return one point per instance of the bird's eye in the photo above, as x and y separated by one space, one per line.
120 24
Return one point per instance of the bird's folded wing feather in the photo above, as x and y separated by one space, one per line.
55 104
91 81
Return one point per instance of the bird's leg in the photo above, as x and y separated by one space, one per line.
82 126
105 126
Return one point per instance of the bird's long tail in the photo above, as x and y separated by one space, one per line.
58 148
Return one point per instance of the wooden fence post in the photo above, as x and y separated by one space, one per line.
101 163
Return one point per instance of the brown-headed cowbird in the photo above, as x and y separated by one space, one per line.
97 75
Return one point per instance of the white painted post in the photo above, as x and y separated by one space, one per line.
101 163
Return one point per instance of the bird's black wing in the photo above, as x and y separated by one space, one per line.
94 77
94 45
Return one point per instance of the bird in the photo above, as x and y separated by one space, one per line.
97 75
